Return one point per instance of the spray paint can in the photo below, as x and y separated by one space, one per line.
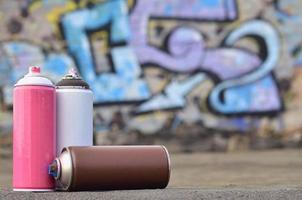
111 167
34 102
74 112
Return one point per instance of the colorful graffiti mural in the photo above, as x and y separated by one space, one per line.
156 62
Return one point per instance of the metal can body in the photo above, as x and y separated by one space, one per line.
112 167
74 118
33 137
74 112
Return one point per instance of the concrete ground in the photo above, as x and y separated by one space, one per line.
169 193
242 175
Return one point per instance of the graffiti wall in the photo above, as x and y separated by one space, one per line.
160 65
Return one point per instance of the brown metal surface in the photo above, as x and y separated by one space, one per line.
119 167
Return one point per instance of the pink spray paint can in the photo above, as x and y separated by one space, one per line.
34 136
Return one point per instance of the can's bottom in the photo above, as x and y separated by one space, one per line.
32 190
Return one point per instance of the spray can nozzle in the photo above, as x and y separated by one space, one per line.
34 70
53 169
72 72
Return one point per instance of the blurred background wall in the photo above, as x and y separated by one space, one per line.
192 74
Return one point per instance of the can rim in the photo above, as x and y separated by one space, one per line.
33 189
72 87
169 162
65 186
18 85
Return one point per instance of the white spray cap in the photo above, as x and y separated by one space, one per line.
34 77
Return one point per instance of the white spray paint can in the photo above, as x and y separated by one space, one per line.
74 112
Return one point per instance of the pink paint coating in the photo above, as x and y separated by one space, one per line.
34 136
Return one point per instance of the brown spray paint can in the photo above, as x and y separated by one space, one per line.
111 167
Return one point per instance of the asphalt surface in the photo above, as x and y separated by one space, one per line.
264 175
170 193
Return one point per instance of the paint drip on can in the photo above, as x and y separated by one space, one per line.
74 112
34 126
111 167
